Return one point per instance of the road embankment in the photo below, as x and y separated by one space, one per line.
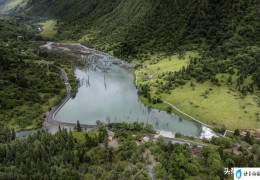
50 117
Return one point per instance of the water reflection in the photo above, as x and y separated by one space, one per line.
107 93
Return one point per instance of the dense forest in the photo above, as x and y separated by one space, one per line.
226 33
177 161
81 155
30 82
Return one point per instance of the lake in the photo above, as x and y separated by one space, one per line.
107 93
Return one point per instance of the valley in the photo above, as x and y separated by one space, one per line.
129 89
106 92
216 86
216 99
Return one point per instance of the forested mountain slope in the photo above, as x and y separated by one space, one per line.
134 26
226 33
30 82
26 84
131 27
155 24
7 6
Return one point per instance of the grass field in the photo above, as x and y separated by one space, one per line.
209 103
49 28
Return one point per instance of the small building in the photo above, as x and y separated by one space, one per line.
145 139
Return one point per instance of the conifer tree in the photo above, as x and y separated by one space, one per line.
78 127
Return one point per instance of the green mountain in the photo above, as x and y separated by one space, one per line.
225 33
30 82
7 6
205 59
135 27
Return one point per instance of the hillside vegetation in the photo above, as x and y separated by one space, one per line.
157 25
28 86
30 82
91 155
225 33
12 6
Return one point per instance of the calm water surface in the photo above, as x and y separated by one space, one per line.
108 94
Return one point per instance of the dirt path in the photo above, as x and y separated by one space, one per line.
151 166
187 114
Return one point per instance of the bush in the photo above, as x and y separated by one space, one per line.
255 148
221 141
169 109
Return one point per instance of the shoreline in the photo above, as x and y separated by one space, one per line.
50 120
50 117
51 124
183 113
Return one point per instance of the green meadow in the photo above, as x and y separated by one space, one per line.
49 28
217 105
